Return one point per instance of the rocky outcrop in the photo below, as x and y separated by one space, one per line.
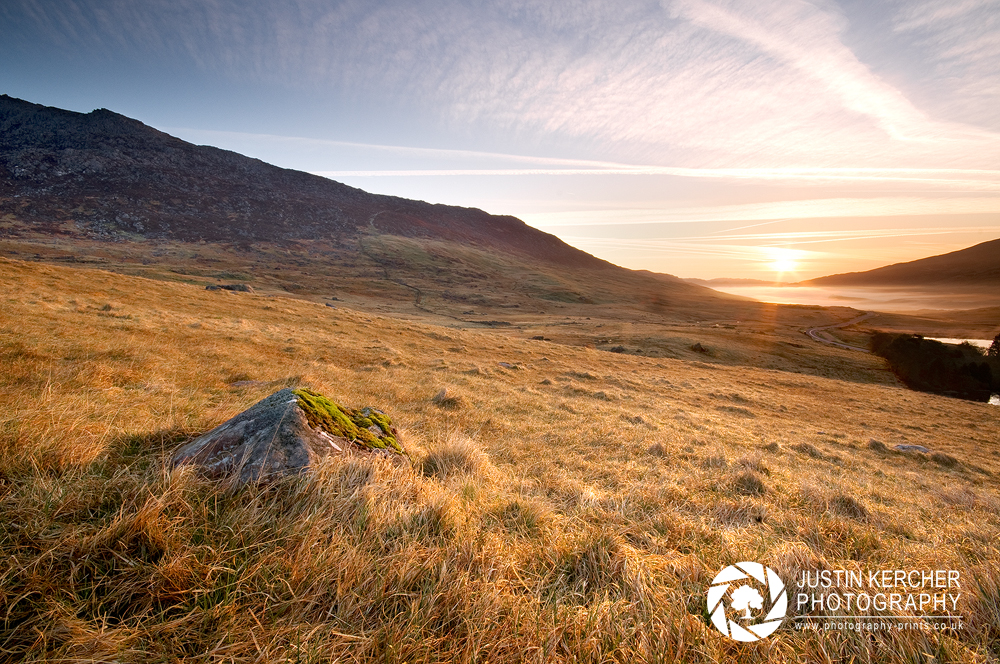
287 433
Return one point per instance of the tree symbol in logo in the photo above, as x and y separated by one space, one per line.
743 598
746 597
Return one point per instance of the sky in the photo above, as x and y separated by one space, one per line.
775 139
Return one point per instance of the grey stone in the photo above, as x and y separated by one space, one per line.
271 438
445 399
912 448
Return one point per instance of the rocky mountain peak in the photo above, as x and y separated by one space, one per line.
105 175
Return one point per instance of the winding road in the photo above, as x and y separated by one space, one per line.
819 333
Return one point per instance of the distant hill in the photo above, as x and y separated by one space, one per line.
978 265
101 175
724 281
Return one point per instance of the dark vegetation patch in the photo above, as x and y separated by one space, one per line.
595 566
657 449
962 371
877 446
808 449
943 459
736 410
583 375
848 506
749 483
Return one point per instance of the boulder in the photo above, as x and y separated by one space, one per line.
446 399
287 433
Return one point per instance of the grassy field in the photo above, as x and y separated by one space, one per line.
568 505
464 287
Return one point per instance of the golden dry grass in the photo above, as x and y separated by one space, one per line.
572 505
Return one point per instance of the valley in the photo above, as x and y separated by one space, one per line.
587 446
588 498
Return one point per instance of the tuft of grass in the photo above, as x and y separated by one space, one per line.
715 461
524 517
749 483
808 449
848 506
657 449
754 463
877 446
943 459
454 455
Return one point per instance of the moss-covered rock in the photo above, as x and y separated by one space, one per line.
286 433
367 427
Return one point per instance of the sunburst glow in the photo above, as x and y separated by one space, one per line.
782 260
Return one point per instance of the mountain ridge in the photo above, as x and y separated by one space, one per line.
103 175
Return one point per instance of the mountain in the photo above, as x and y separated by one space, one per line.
975 266
108 191
101 175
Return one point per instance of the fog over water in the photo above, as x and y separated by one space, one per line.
880 299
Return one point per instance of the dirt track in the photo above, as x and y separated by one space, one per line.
818 333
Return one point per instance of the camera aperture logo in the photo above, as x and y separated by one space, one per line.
747 601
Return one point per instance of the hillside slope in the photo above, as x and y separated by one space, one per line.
978 265
571 505
102 175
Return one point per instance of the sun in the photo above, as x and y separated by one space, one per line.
783 265
782 260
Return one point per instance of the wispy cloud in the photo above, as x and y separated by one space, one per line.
485 163
963 179
801 209
404 150
959 44
798 238
815 253
709 116
691 83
